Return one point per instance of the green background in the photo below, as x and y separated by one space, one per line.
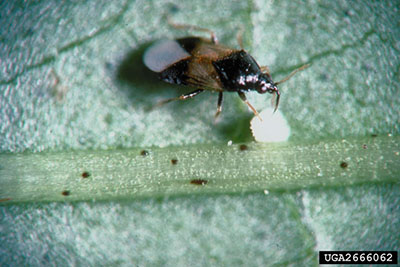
351 89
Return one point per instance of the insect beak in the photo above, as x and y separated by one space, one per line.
275 98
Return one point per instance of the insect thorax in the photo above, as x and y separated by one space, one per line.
238 72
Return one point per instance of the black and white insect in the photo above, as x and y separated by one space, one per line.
208 65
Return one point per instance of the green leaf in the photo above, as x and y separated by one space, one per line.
71 79
185 170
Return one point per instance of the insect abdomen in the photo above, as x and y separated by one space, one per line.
176 73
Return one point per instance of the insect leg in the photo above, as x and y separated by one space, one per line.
182 97
239 37
59 89
191 94
193 27
265 70
219 105
243 97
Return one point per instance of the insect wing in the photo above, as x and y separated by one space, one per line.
187 61
200 47
163 54
199 70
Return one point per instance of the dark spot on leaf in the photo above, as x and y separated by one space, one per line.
144 152
173 8
324 76
85 174
348 13
174 161
367 67
374 135
108 65
364 146
199 181
28 32
4 199
344 165
108 118
243 147
65 193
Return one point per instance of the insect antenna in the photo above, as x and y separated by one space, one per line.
277 95
291 75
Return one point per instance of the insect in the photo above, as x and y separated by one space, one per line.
207 65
